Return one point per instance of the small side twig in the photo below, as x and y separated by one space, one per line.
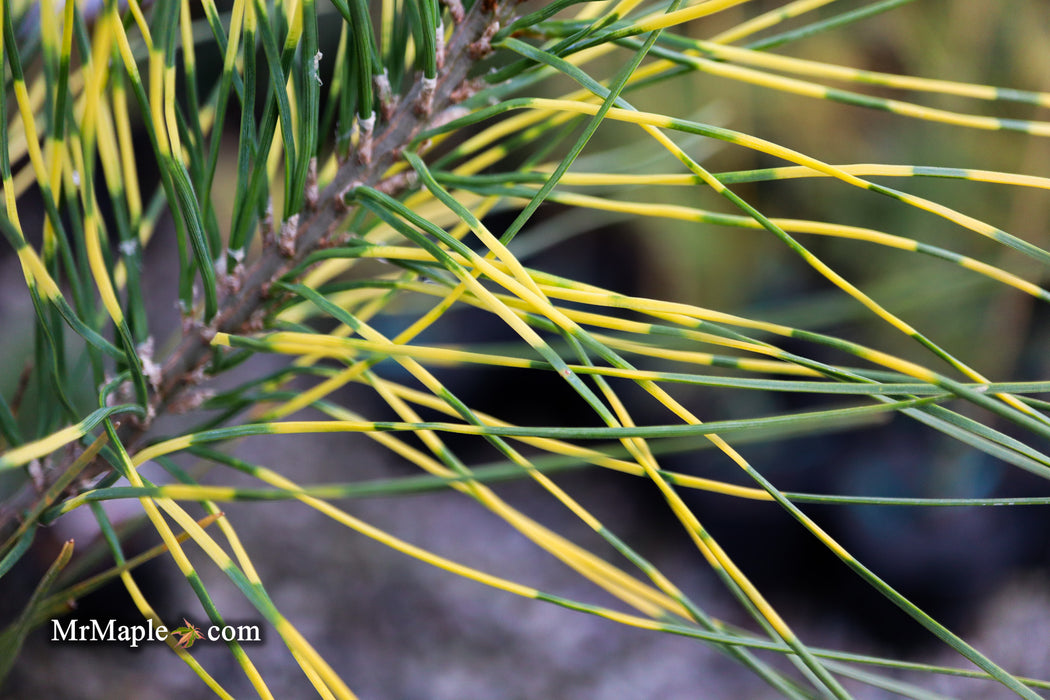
20 389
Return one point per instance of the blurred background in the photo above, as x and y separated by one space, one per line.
396 629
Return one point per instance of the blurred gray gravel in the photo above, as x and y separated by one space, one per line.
397 629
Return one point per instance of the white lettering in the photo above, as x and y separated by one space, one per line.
74 630
248 633
69 634
98 632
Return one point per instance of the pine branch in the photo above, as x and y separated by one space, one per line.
244 303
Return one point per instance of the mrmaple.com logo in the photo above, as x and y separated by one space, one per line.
96 631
